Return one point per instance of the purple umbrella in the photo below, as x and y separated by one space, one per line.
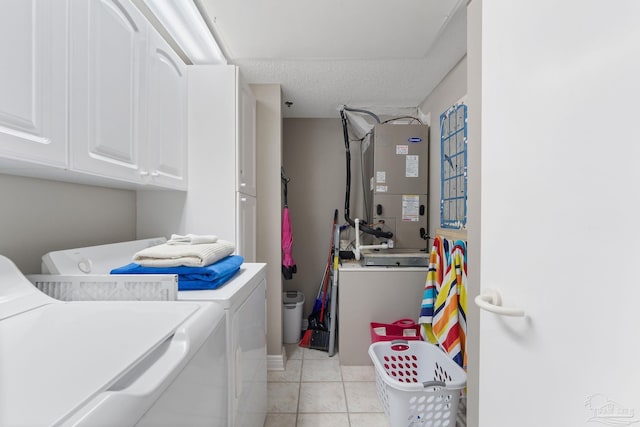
288 264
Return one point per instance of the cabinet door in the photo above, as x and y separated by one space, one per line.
249 350
246 227
167 120
246 128
33 92
108 53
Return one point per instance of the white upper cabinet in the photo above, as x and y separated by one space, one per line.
167 119
91 88
33 91
128 102
246 122
108 57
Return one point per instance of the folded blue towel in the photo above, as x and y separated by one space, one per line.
210 276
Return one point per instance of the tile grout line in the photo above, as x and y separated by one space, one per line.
300 388
346 401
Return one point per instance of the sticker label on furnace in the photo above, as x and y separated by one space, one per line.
411 166
411 208
402 149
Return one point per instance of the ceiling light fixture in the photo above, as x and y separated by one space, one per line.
185 24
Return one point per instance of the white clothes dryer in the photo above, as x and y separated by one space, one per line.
104 363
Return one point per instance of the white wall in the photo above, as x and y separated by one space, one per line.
450 90
39 216
314 159
474 56
268 162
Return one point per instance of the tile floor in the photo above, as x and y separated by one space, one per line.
314 390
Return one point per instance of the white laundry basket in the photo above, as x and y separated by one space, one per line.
417 383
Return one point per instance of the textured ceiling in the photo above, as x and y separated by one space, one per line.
382 55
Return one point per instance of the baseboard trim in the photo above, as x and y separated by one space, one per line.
276 362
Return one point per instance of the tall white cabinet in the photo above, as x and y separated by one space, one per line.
33 82
222 145
246 191
221 194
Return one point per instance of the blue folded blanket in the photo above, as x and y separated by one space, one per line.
211 276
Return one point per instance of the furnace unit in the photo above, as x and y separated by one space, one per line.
396 163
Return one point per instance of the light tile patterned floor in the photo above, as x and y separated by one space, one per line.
315 390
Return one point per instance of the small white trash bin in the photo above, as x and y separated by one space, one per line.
292 304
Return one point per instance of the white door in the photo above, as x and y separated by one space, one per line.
559 234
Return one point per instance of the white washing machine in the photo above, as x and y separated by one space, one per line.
104 363
99 259
243 300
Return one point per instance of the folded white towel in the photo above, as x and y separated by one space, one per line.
192 239
165 255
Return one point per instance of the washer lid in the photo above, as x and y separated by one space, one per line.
54 358
17 294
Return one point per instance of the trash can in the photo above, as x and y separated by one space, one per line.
292 304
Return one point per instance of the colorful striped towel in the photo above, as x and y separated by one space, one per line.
450 314
438 262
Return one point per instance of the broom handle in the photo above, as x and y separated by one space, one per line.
327 268
334 293
324 292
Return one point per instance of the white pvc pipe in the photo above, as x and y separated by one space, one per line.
356 252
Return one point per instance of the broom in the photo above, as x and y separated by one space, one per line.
320 335
314 317
316 325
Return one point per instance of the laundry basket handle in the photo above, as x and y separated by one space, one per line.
427 384
399 345
404 322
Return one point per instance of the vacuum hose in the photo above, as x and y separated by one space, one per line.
364 227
